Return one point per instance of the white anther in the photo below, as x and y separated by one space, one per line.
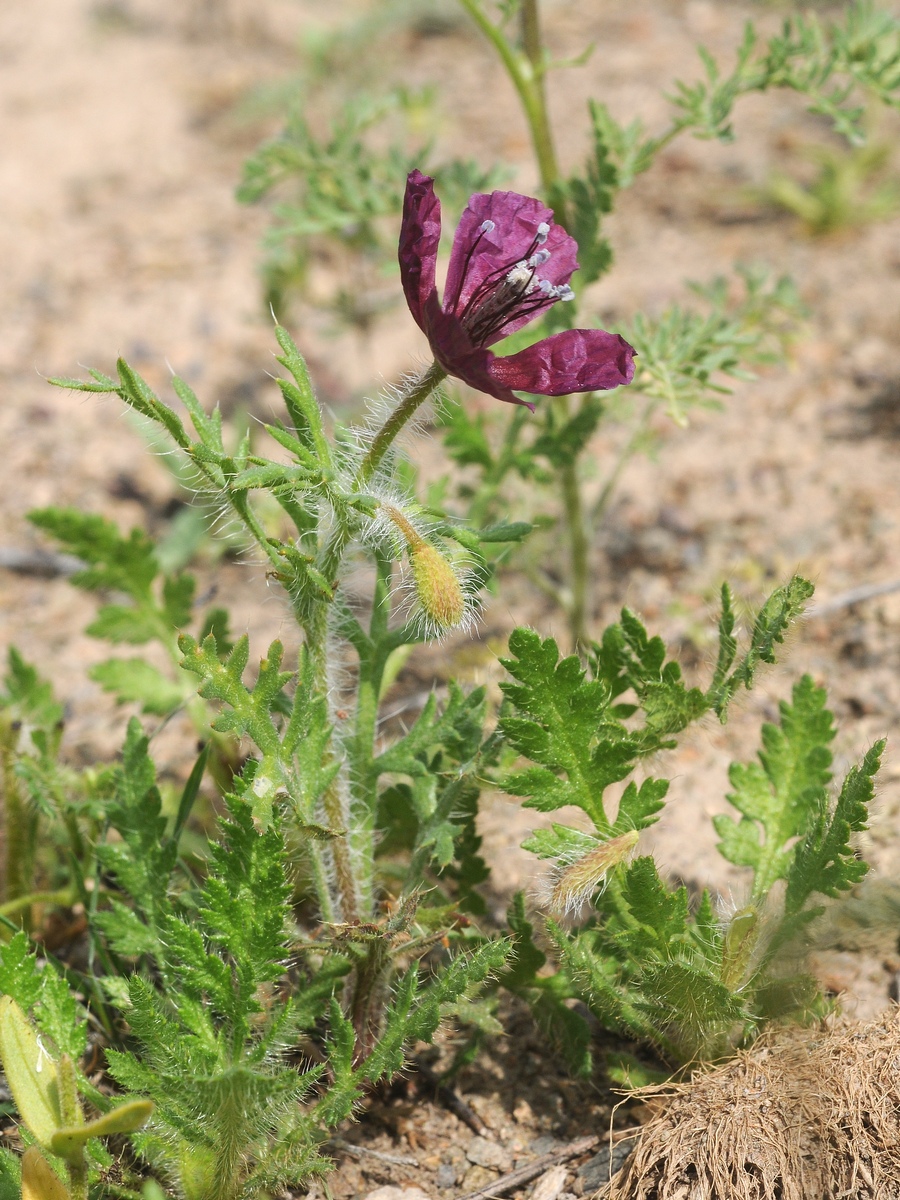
546 287
520 276
488 226
538 258
542 231
565 293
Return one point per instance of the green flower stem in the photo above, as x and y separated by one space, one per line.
537 114
526 72
371 673
319 867
542 137
416 395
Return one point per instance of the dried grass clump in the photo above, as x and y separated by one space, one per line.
807 1114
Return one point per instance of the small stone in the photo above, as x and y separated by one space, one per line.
545 1144
598 1170
484 1153
398 1193
446 1175
476 1178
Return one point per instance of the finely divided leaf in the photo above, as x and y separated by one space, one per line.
784 792
135 680
824 861
115 562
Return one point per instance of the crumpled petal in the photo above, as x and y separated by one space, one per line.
420 233
576 360
476 255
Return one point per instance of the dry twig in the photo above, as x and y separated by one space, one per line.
507 1183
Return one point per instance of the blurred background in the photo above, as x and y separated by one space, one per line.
172 170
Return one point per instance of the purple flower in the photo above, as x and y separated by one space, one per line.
508 265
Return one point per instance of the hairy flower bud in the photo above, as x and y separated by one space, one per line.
437 586
578 880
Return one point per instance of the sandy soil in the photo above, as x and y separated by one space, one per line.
121 234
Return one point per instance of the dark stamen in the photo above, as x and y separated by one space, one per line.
489 283
462 275
519 306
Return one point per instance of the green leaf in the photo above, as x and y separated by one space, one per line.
178 599
28 696
39 1180
560 842
526 958
69 1143
774 619
138 394
115 562
505 531
662 914
685 356
125 623
824 860
208 428
570 725
134 679
780 796
215 622
250 708
142 862
30 1072
435 817
19 977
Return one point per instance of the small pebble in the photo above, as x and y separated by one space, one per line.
596 1171
398 1193
545 1144
446 1175
476 1178
484 1153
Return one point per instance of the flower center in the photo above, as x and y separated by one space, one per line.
509 292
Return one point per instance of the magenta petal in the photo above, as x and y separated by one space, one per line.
420 233
577 360
454 350
476 254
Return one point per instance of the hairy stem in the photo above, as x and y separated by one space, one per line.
416 395
341 900
347 899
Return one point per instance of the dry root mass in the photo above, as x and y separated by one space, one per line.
808 1114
